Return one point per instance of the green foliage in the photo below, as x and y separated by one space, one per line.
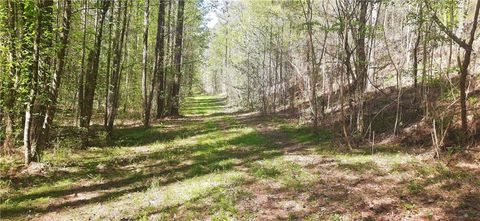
414 187
336 217
6 164
265 172
305 134
410 206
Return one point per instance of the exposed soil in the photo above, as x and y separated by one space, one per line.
222 165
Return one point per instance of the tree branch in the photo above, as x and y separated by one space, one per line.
447 31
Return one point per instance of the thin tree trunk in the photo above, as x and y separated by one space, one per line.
464 70
81 77
308 14
114 88
415 51
468 48
109 59
92 68
145 95
171 49
8 109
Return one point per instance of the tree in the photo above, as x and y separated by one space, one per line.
59 71
159 68
90 82
175 97
467 46
38 72
8 94
361 62
147 101
114 87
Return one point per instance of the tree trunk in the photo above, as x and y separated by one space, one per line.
361 65
308 14
33 85
109 59
8 109
464 70
43 60
159 68
178 60
415 51
145 95
92 67
81 76
114 87
59 72
468 48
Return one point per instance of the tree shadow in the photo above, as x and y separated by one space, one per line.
468 208
205 158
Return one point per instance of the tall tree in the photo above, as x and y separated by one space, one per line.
159 68
91 74
109 62
81 74
361 63
9 95
175 97
467 46
38 74
59 71
147 97
114 87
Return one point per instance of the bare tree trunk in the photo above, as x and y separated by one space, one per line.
415 50
308 14
109 59
169 56
175 110
346 61
468 48
114 87
81 77
159 68
145 95
342 111
398 79
464 70
361 65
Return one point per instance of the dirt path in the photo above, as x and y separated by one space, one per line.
217 165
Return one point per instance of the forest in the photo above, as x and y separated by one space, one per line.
239 110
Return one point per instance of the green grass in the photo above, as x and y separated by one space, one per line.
208 167
203 105
191 157
289 174
305 134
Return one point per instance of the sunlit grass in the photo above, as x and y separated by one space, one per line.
203 105
287 173
203 169
158 198
382 159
